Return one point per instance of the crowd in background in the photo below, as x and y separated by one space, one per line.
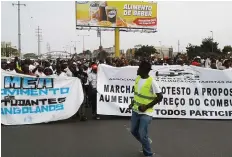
65 67
86 71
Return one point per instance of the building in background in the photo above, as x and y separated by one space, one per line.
87 54
109 50
175 53
130 53
7 50
164 52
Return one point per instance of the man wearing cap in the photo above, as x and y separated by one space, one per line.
147 94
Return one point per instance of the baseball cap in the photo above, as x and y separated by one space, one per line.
94 66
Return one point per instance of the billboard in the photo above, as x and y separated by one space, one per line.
122 14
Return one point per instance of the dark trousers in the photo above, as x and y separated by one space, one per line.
86 89
94 100
81 111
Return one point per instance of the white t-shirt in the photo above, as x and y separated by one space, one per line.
202 61
89 71
68 72
207 63
40 74
92 78
31 67
62 74
154 89
219 64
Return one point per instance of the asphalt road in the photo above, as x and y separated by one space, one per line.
109 137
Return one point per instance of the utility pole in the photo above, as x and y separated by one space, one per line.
178 46
39 35
19 29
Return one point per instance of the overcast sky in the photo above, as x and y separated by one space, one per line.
188 22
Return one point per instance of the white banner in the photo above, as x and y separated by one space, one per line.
189 91
29 100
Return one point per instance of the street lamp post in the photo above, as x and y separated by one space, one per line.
212 40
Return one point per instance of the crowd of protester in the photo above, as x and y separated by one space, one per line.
86 71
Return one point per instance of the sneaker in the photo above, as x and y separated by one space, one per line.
153 155
141 150
98 117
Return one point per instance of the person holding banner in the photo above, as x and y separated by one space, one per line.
147 94
83 78
93 88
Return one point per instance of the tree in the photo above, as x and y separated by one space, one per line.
209 46
204 50
145 51
88 52
227 49
193 51
30 55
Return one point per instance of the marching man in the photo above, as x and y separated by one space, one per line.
147 94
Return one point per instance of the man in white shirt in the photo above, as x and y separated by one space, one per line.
89 68
147 94
207 63
59 72
226 64
31 65
40 73
219 63
38 70
92 78
68 72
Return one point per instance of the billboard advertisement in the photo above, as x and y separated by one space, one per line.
122 14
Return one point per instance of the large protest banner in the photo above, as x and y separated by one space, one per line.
189 91
122 14
29 100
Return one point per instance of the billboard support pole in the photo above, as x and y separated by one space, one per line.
116 40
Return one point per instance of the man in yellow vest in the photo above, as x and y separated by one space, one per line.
147 94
